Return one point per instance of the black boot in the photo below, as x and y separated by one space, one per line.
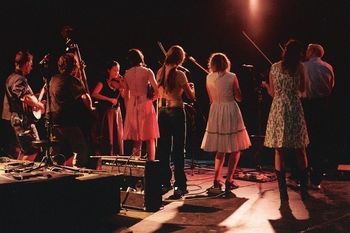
282 186
303 177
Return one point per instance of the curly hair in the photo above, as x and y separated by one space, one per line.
67 63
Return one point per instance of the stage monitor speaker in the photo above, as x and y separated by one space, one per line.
141 187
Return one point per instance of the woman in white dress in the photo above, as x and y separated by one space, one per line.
225 132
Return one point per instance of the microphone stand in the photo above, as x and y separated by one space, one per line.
50 140
259 136
197 64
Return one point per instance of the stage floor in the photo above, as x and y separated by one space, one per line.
255 209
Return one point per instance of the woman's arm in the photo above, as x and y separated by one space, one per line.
154 84
269 86
236 90
96 94
209 94
189 91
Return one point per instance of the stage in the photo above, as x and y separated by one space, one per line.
51 200
54 199
255 207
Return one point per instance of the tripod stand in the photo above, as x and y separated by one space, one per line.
193 115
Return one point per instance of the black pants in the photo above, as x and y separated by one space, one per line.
171 145
317 120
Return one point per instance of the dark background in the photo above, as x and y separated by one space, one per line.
106 30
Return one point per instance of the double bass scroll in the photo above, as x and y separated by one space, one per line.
74 48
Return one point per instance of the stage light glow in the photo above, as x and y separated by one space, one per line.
253 7
256 12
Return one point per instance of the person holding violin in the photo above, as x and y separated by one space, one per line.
110 93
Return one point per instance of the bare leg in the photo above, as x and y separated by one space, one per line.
232 165
279 160
219 163
151 150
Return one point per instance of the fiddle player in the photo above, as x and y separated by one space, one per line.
110 93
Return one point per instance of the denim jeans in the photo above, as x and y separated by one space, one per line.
171 145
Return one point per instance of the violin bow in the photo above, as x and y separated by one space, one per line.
261 52
164 52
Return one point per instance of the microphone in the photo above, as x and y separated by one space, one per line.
197 64
45 59
248 66
191 59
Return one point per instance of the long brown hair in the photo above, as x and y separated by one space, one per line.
174 56
292 56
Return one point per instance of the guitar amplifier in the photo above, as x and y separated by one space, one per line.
141 187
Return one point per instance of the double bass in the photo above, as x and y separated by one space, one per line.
73 47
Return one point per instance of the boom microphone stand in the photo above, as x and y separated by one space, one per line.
50 141
197 113
259 135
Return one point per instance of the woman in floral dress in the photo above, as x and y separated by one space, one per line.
286 127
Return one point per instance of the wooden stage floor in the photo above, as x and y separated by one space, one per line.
255 209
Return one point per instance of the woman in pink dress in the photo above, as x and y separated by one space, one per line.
140 119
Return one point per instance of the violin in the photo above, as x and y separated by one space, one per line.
115 83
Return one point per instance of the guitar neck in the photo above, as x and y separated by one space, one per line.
42 93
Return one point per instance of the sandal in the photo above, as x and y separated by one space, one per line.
230 185
217 187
